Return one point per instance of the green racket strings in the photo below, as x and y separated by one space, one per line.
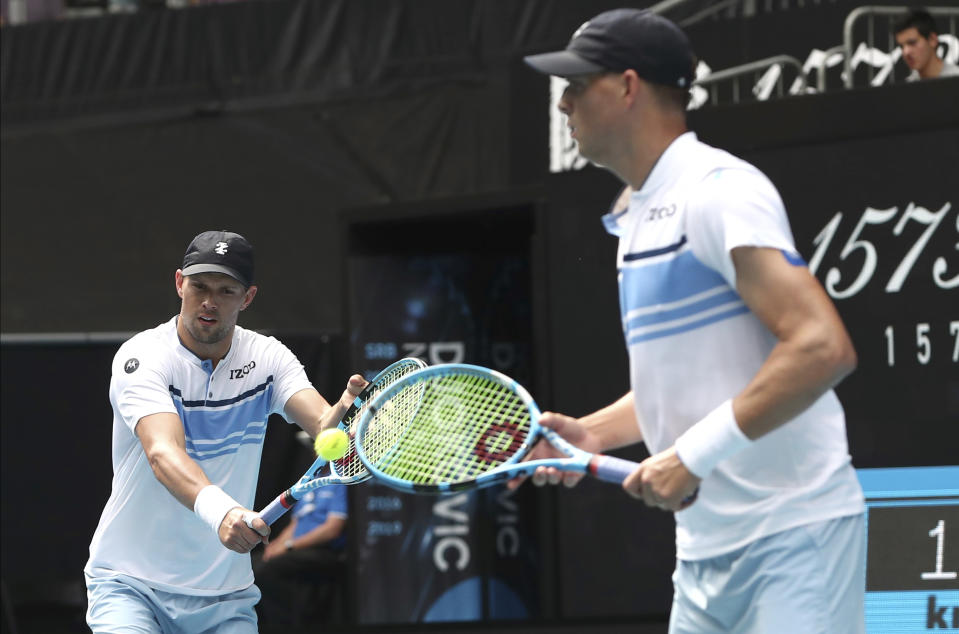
350 465
447 429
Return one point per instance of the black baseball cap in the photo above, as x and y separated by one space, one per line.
220 252
621 39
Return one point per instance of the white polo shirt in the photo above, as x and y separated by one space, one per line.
144 531
693 343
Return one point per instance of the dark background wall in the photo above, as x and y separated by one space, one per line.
271 118
290 121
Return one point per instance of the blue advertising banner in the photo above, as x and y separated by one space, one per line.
462 296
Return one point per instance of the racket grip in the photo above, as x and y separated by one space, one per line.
274 510
615 470
611 468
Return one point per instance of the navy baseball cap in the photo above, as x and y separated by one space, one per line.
220 252
621 39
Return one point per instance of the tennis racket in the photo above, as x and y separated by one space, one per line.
345 470
455 426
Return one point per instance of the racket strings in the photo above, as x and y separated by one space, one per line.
350 465
480 437
456 428
388 423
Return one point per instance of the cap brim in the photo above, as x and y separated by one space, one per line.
193 269
562 64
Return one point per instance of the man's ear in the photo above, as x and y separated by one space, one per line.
633 86
630 82
178 278
248 298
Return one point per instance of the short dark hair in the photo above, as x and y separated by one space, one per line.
671 96
920 19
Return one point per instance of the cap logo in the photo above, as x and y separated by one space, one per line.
220 248
580 29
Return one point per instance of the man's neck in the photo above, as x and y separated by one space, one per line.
648 154
932 69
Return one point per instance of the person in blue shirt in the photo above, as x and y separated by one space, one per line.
305 552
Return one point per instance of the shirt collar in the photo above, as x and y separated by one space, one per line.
664 170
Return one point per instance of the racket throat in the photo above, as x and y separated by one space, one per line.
287 500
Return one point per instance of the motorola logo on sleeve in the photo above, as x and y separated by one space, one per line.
131 366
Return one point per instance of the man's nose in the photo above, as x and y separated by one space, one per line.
564 105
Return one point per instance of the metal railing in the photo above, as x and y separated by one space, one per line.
761 90
823 65
879 62
870 13
699 10
63 338
716 7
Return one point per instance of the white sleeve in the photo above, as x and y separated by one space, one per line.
735 207
139 386
289 377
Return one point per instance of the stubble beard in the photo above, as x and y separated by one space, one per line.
207 337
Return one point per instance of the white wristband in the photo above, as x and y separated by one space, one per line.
212 504
711 440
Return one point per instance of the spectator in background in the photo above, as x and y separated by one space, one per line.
918 38
305 553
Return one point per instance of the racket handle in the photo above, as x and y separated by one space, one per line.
611 468
615 470
274 510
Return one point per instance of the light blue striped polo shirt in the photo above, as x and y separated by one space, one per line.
693 343
144 531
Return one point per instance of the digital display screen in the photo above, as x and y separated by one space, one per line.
912 558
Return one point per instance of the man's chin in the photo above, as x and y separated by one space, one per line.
207 334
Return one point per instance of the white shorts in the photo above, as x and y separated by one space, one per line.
806 580
122 604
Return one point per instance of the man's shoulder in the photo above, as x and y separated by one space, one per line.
702 159
153 339
261 345
251 338
717 169
949 69
147 349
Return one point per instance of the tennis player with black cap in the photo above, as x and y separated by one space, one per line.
734 349
191 399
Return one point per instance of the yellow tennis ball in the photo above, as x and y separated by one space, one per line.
331 444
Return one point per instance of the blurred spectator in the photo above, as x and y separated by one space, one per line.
918 37
304 555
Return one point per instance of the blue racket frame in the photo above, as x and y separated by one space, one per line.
606 468
310 479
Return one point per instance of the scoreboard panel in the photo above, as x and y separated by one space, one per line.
912 572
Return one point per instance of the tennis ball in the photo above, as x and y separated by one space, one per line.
331 444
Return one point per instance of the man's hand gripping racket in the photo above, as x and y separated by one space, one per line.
657 480
455 426
347 469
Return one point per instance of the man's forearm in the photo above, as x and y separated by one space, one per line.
615 425
176 471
